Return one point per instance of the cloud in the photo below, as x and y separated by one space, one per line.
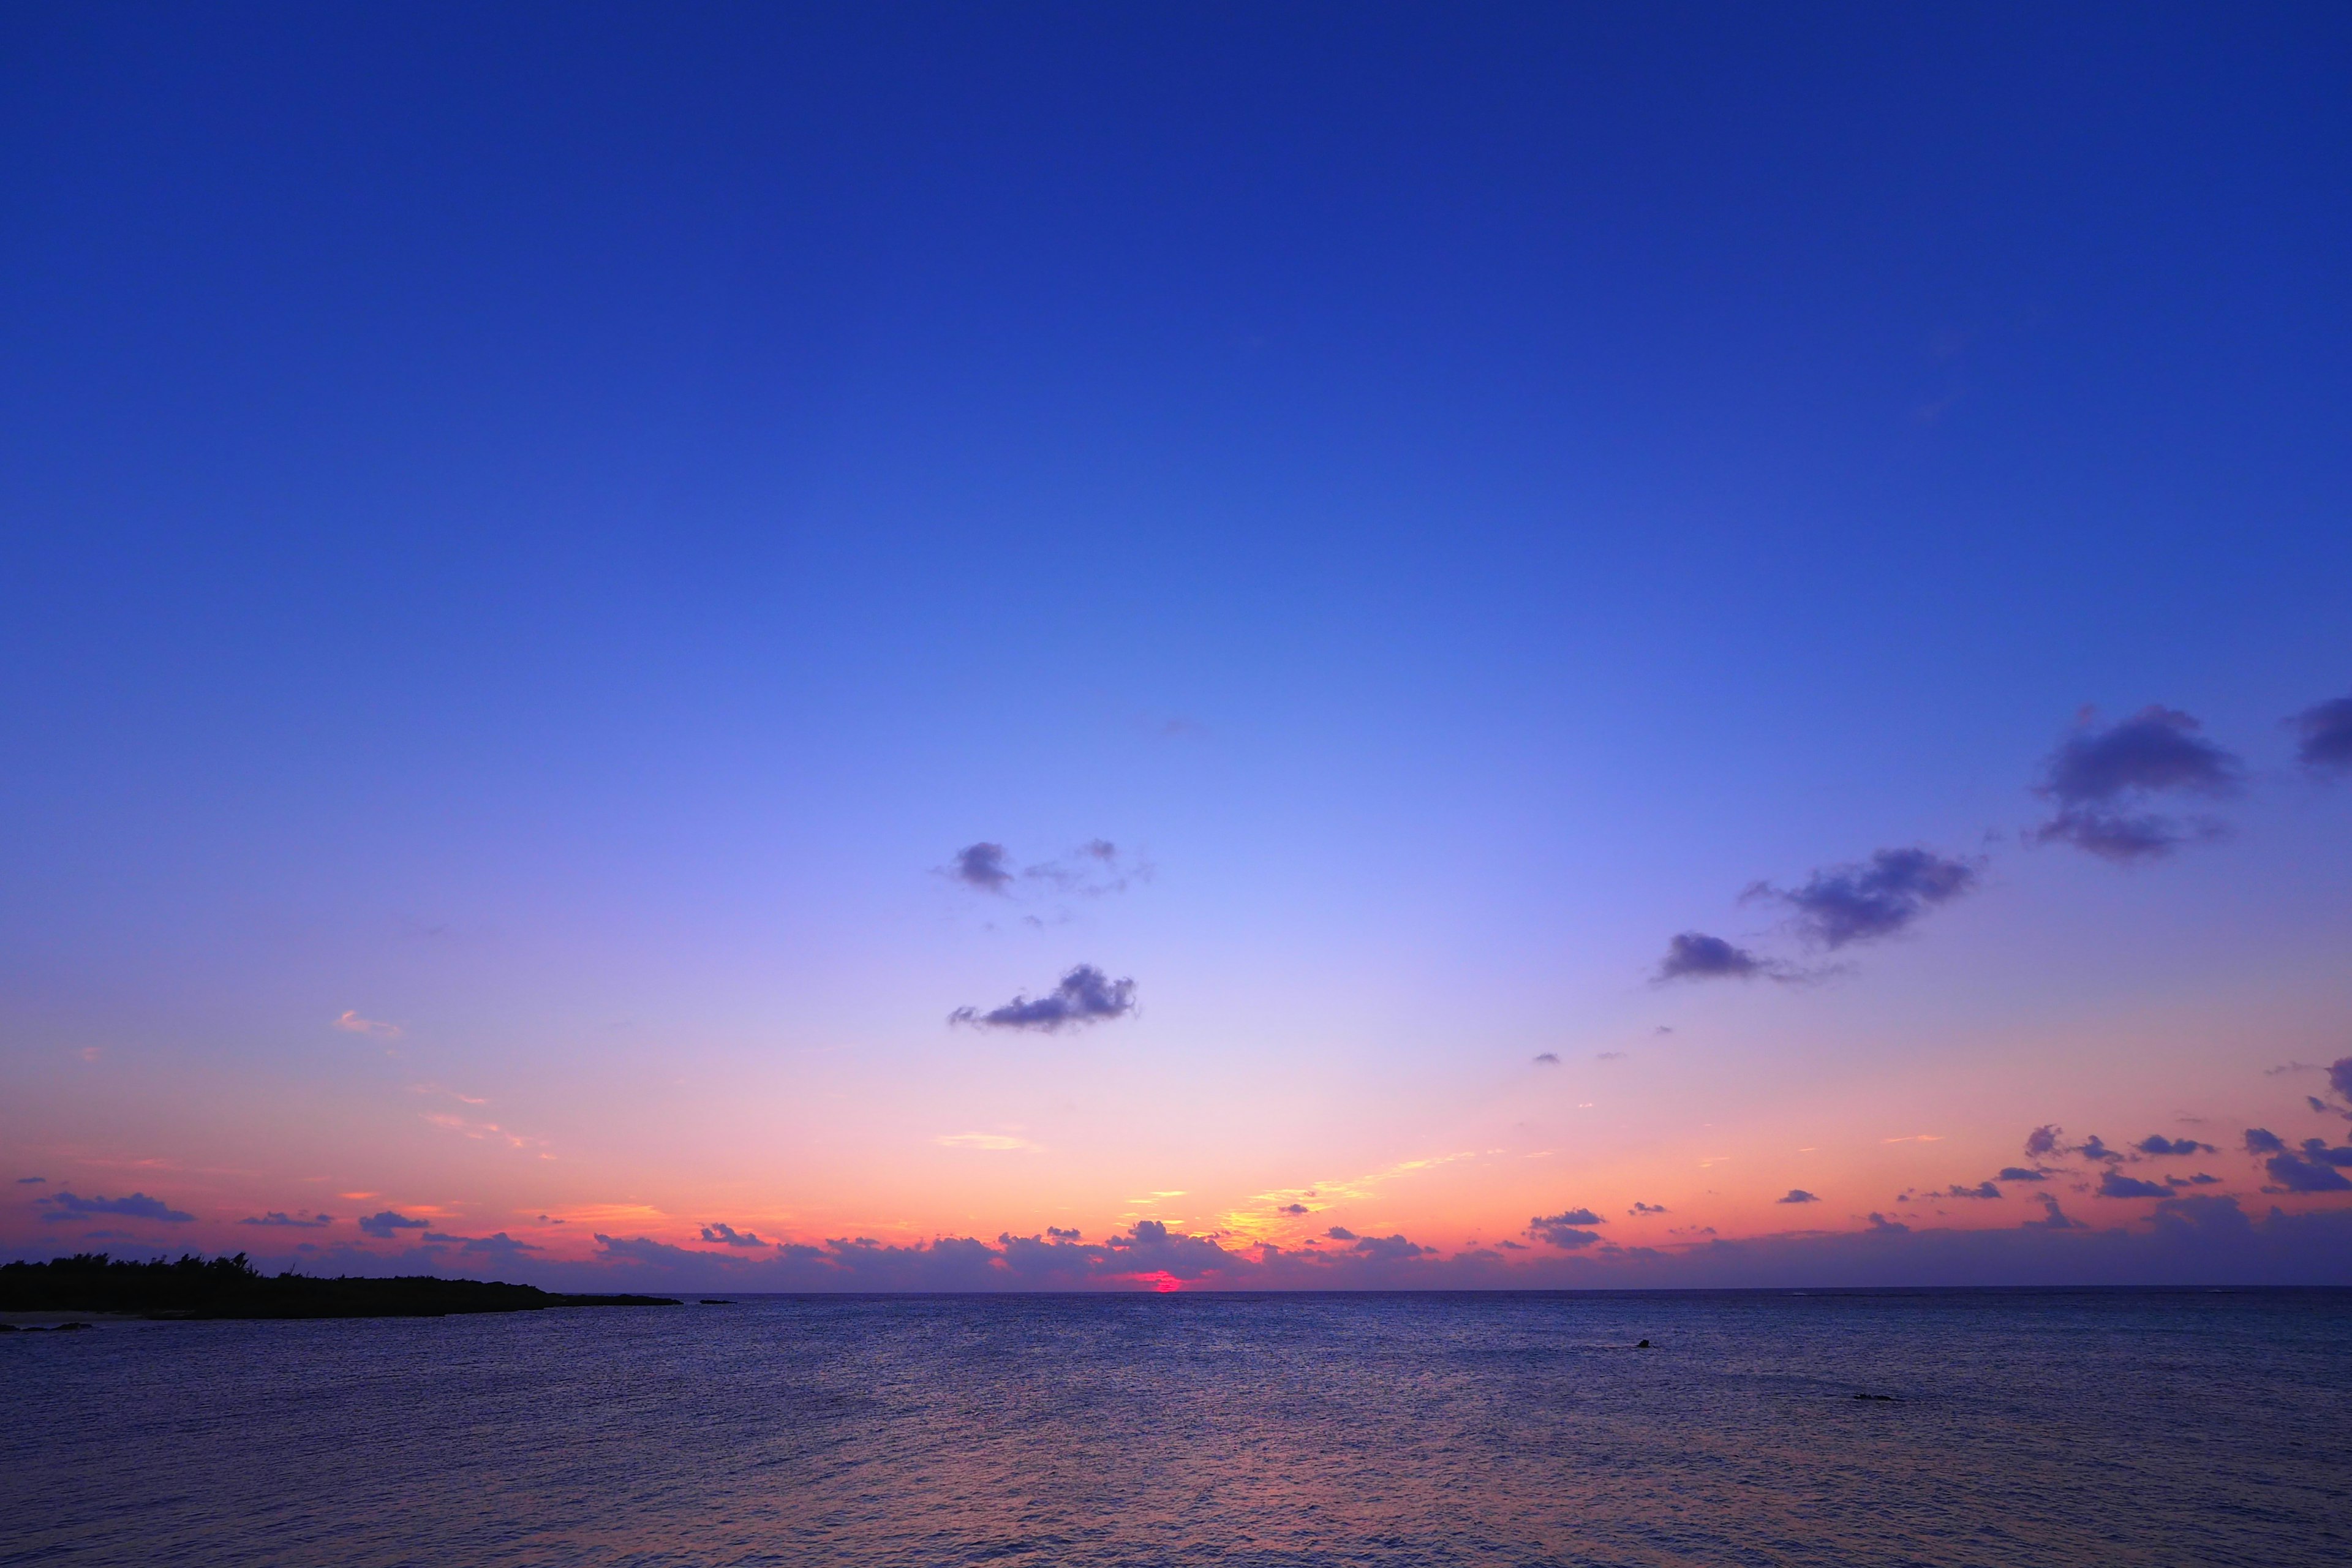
1295 1210
1981 1190
384 1222
2020 1173
980 866
65 1206
1389 1248
26 1180
987 1142
2095 1148
2116 1184
1798 1196
2156 1144
2186 1240
1642 1208
352 1024
644 1249
2316 1150
1618 1055
2299 1174
1093 869
2339 1078
2052 1216
2263 1141
1060 1235
1562 1229
1086 996
1874 899
2326 736
2097 777
1695 955
727 1236
502 1250
1547 1058
274 1218
1340 1233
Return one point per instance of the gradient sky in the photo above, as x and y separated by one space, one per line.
577 581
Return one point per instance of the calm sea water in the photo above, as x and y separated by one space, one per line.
2092 1428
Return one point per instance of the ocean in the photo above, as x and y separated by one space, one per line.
2107 1428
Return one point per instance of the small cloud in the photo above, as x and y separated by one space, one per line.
1798 1196
2156 1144
2326 736
1874 899
2290 1066
28 1180
2052 1216
2339 1078
1915 1138
2116 1184
352 1024
2042 1142
1564 1229
2020 1173
1086 996
988 1143
2263 1141
1695 955
1340 1233
1981 1190
65 1206
1058 1233
2095 1148
384 1223
980 866
1879 1222
727 1236
2098 777
1642 1208
1610 1057
1661 1029
273 1219
1295 1210
1547 1058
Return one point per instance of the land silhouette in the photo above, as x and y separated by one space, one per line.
231 1286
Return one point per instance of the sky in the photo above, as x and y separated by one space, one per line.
1179 646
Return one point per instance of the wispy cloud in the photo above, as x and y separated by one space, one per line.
1798 1196
1873 898
988 1143
1093 869
1085 995
2324 736
277 1220
352 1024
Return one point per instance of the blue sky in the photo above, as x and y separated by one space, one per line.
546 529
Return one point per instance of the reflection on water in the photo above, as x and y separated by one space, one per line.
2105 1427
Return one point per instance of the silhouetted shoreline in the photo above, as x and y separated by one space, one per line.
194 1286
